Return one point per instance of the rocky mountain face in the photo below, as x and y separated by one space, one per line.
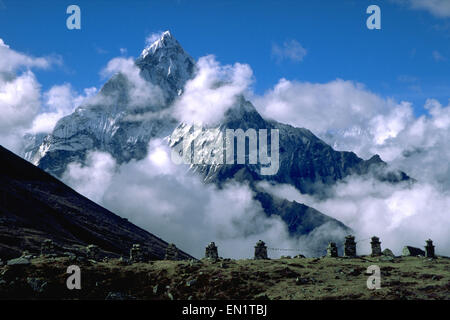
109 124
305 161
35 206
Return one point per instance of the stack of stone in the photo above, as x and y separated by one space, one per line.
429 249
376 246
136 253
93 252
47 247
350 246
332 250
211 252
260 250
171 252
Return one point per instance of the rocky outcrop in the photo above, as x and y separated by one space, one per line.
412 251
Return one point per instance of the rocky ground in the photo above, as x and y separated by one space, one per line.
300 278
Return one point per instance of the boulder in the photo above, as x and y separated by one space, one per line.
412 252
19 261
388 253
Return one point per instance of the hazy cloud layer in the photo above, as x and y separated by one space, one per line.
399 214
176 205
350 117
141 92
289 50
59 101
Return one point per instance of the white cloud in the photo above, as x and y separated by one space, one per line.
439 8
141 93
290 50
320 107
19 95
19 104
59 101
350 117
11 60
176 205
93 179
212 92
400 215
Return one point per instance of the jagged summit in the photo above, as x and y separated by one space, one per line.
165 63
113 125
166 40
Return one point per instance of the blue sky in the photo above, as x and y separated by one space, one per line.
408 59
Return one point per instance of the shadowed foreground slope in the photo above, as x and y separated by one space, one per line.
35 206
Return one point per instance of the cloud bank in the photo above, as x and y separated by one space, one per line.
176 205
350 117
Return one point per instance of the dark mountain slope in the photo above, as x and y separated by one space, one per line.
35 206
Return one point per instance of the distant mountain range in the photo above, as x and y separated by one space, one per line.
112 125
35 206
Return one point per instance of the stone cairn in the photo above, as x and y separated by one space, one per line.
171 252
47 247
260 250
211 251
350 246
136 253
332 250
376 246
429 249
93 252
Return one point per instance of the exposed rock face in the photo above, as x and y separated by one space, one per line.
35 206
19 262
412 251
305 161
110 122
260 250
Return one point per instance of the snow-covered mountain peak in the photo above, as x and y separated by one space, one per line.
166 40
166 64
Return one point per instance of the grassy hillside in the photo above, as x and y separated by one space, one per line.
303 278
